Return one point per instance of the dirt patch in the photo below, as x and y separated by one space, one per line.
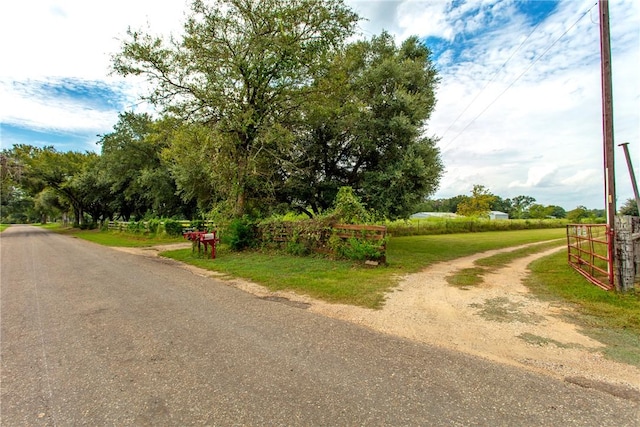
497 320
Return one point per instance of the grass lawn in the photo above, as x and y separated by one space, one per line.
351 283
3 227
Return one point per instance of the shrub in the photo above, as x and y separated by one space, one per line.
240 234
136 227
153 225
348 207
357 249
172 227
297 248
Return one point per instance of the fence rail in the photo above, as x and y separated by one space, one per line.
124 225
316 236
588 249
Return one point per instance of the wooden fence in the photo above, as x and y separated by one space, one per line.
125 225
316 237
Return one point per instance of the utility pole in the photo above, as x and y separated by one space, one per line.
607 129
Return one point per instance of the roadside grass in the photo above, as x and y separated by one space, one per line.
354 283
322 278
115 238
474 276
3 227
609 317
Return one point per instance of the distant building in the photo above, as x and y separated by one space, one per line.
498 215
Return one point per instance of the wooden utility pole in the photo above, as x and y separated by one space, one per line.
607 128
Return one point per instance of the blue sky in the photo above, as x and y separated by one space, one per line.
518 107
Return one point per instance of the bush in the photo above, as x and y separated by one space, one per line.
433 226
297 248
153 225
357 249
240 234
348 207
136 227
172 227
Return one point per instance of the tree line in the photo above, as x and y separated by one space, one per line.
262 107
482 201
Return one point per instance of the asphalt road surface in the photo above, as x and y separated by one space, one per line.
94 336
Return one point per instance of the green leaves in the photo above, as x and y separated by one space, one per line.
276 108
478 204
242 69
364 129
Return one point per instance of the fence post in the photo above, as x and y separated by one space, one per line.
627 236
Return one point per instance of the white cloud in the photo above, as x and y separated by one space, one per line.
74 38
30 107
536 132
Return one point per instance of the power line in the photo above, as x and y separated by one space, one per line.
493 78
519 77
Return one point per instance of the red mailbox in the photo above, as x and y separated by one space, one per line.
204 238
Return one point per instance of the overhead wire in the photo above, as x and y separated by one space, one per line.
533 62
492 78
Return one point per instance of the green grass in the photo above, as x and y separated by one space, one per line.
55 226
467 277
474 276
329 280
116 238
3 227
609 317
351 283
414 253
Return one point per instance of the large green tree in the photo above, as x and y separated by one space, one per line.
47 168
365 128
242 68
629 207
478 204
131 165
520 206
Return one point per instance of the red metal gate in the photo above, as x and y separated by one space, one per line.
589 248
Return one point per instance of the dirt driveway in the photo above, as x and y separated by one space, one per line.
498 320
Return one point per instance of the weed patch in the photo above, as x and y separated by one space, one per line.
466 277
502 309
543 341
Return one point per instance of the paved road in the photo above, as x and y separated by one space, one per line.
94 336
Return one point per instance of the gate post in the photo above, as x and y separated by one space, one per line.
627 246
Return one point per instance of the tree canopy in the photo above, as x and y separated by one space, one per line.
365 130
242 68
261 106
